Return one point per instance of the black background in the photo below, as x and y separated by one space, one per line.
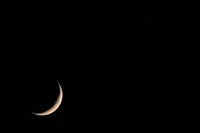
108 59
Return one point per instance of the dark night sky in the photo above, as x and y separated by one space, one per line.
105 60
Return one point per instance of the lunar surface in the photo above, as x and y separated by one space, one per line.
55 106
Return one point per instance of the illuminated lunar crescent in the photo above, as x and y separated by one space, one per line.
55 106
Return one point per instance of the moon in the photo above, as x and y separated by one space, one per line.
55 106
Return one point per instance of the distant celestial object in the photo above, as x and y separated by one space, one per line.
55 106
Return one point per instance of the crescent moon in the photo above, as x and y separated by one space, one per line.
55 106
